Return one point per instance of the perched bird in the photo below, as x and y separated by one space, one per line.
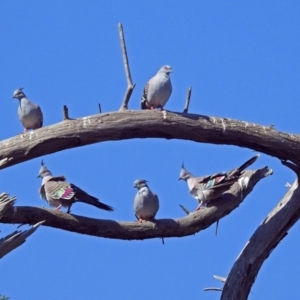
157 90
30 114
58 192
146 203
210 187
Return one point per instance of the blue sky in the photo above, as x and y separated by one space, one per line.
242 60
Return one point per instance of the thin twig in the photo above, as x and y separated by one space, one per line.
292 166
130 85
66 113
99 106
184 209
213 289
217 226
187 100
222 279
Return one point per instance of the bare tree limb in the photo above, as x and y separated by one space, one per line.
264 240
187 100
6 203
162 228
130 85
185 209
144 124
16 239
66 113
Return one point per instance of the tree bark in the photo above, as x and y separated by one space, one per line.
267 236
185 226
169 125
148 124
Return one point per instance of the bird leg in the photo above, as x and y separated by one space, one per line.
140 220
58 207
200 206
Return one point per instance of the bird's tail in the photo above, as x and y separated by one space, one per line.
237 172
248 163
82 196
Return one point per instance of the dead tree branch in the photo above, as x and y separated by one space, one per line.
215 289
187 100
66 113
17 238
264 240
130 85
144 124
162 228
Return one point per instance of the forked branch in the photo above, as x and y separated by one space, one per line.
130 85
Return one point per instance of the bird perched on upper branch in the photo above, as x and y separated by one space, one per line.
207 188
30 114
58 192
157 90
146 203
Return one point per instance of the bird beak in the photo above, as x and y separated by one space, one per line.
179 178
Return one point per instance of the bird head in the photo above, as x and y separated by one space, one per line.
166 69
18 94
184 174
139 183
44 171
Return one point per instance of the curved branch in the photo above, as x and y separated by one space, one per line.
264 240
189 225
146 124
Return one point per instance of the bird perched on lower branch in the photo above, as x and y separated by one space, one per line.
207 188
58 192
30 114
157 90
146 203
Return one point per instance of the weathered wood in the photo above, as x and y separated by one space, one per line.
266 237
185 226
148 124
17 238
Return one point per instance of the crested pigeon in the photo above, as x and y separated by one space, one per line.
146 203
58 192
158 89
30 114
206 188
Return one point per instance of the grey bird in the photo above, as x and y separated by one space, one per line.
30 114
158 89
146 203
58 192
207 188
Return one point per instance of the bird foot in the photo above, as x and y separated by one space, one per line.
140 220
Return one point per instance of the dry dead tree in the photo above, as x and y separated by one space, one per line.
127 124
17 238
